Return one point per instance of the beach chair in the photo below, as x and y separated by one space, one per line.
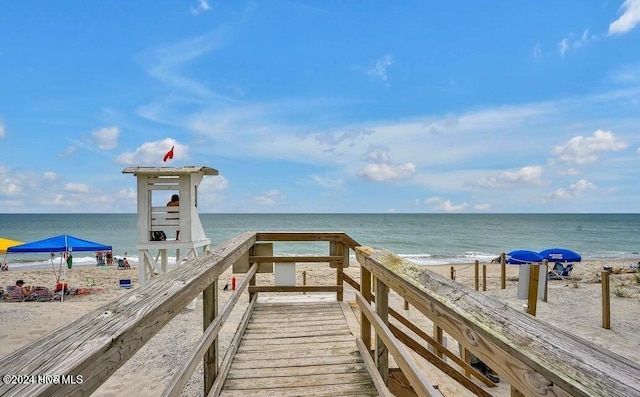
14 294
42 294
125 283
123 264
560 271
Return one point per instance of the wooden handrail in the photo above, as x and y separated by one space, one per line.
97 344
418 381
181 378
536 358
427 338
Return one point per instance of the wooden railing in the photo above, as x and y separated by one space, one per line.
537 359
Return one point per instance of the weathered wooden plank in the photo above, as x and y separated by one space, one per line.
287 354
315 391
296 288
297 371
537 358
311 307
295 328
295 317
313 322
299 380
97 344
296 362
250 344
266 348
295 259
299 236
297 334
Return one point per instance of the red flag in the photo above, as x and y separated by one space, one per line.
169 155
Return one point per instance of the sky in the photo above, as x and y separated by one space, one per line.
323 106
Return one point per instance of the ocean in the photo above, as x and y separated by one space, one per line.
426 239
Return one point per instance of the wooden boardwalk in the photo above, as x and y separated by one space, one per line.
301 349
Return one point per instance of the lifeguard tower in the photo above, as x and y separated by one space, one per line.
156 185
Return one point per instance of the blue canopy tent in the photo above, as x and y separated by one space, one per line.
63 243
519 257
561 255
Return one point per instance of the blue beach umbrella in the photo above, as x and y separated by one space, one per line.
560 255
519 257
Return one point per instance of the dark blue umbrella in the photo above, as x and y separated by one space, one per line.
519 257
560 255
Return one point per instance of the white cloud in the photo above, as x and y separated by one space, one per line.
573 43
3 129
584 150
152 153
574 191
628 20
202 6
387 172
380 168
524 176
271 197
379 70
106 138
445 205
71 187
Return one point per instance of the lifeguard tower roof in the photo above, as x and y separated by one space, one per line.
190 169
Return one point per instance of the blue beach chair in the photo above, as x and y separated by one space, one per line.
560 271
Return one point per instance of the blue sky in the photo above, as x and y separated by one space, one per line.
324 106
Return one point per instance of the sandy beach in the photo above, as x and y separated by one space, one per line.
574 306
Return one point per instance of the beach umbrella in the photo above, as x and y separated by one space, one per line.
519 257
6 243
560 255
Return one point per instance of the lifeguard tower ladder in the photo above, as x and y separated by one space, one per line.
156 185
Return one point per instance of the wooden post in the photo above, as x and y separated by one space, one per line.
476 275
406 304
382 309
209 313
466 356
532 301
503 271
606 301
304 279
337 248
453 273
365 290
546 284
437 335
252 283
484 277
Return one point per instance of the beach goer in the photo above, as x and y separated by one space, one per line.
125 262
5 267
109 258
26 290
175 202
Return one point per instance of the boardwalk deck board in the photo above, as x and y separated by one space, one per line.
308 350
